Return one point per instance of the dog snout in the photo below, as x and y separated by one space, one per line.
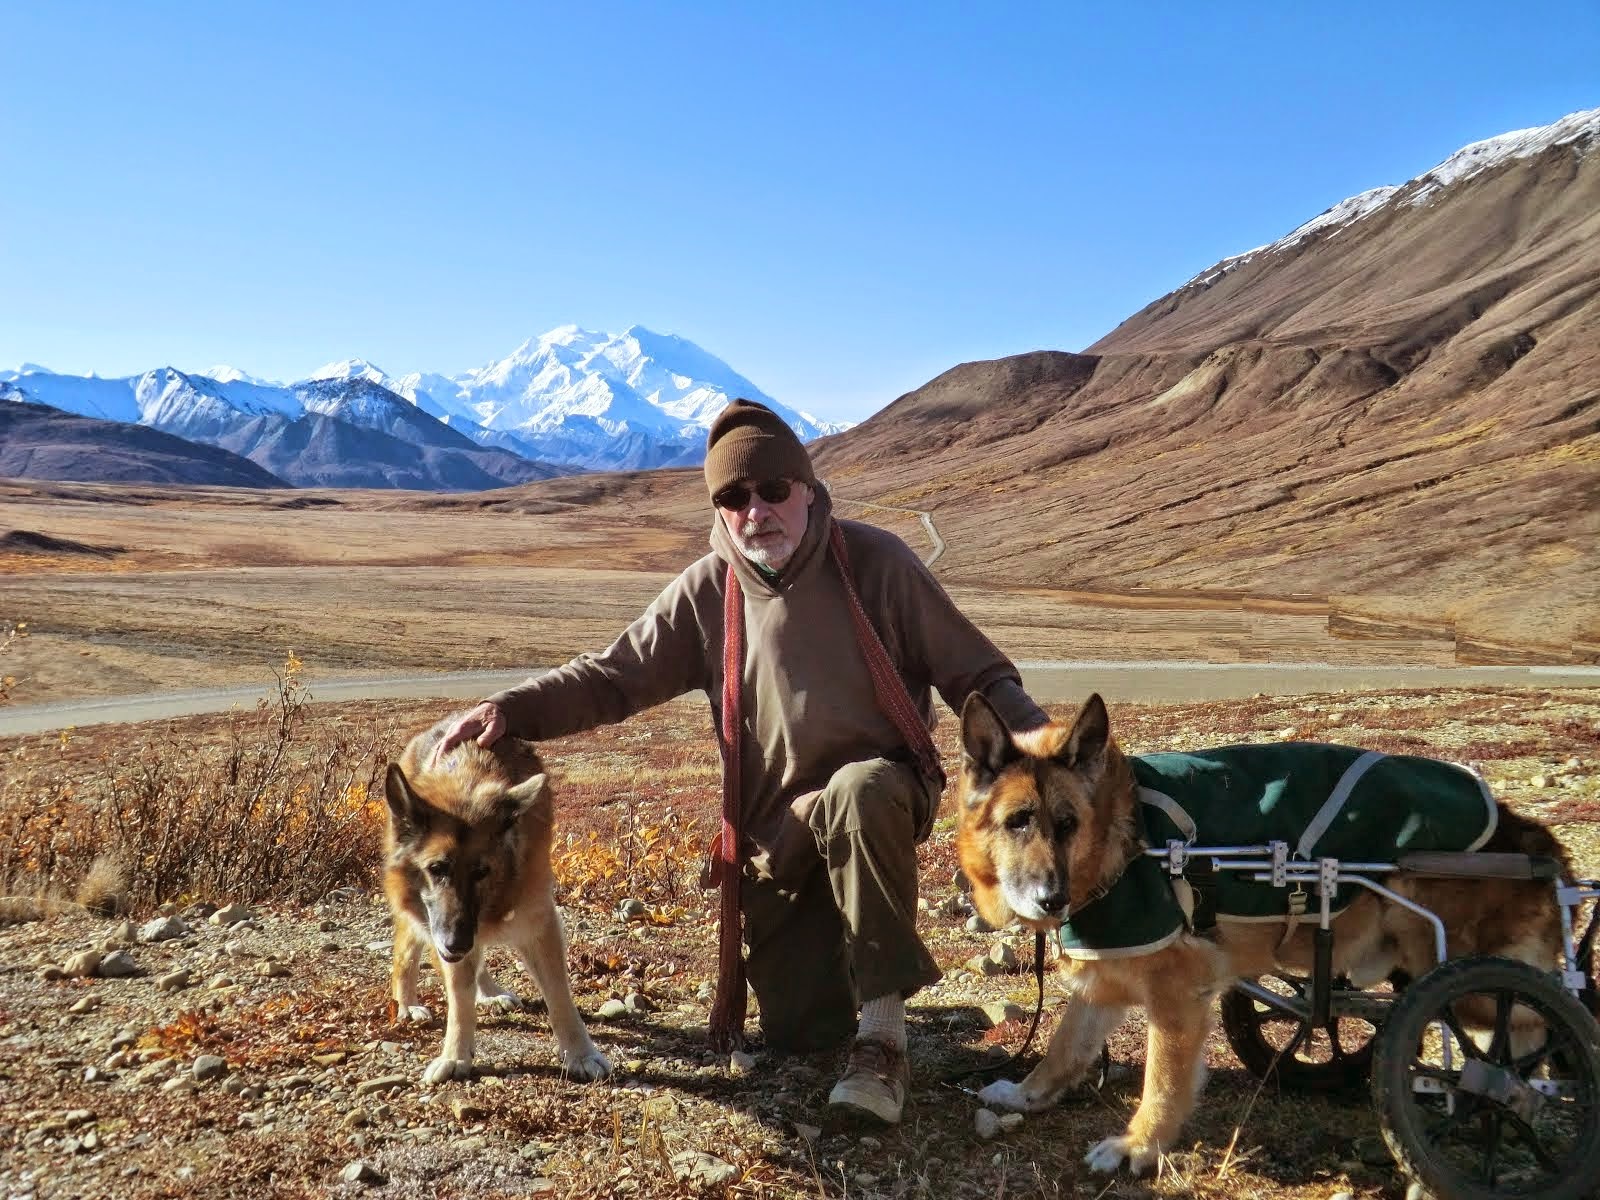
1055 903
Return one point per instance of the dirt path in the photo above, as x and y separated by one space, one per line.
1047 682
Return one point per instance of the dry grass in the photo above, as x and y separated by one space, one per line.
635 805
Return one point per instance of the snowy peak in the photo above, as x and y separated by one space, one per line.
350 369
1580 129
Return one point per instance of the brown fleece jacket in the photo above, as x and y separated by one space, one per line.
809 706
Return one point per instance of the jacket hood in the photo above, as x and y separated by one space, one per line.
812 550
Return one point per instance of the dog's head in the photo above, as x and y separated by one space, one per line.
457 826
1045 816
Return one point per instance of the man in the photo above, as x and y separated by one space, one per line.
827 794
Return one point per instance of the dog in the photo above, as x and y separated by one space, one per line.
467 863
1049 823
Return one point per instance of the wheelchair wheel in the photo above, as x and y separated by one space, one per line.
1516 1112
1277 1045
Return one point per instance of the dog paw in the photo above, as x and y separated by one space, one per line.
499 1002
442 1069
1003 1093
587 1064
412 1014
1110 1154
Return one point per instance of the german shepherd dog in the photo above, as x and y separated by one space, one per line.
468 863
1047 817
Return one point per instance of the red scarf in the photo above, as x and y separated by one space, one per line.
728 1009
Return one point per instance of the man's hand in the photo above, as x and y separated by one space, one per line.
486 724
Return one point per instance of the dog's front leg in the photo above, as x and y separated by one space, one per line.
542 944
1073 1049
1174 1073
461 1022
408 947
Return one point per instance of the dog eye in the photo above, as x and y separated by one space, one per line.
480 873
439 868
1064 828
1020 819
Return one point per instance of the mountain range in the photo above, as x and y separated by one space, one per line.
568 400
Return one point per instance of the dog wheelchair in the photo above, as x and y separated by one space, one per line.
1468 1116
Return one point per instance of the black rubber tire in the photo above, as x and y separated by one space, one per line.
1345 1068
1451 1154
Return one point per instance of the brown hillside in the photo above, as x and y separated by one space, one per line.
1401 414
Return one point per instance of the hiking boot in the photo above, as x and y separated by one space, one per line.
874 1082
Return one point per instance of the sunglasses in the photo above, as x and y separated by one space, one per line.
736 497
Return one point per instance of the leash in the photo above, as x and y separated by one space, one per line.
950 1081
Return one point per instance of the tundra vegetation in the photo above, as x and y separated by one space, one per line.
253 1056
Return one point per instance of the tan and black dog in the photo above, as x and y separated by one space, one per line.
468 864
1050 822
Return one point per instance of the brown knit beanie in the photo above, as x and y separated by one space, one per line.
750 441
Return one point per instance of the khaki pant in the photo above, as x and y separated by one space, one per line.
830 915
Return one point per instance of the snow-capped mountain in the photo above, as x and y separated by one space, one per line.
330 432
569 399
601 401
1581 129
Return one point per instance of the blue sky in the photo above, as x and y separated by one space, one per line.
839 200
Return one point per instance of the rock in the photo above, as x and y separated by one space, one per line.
700 1168
1010 1120
174 982
1287 735
356 1118
1539 781
118 965
120 934
466 1111
638 1002
208 1067
82 965
231 914
218 982
631 909
611 1009
124 1039
385 1083
1000 1011
362 1171
85 1004
740 1063
706 991
1003 956
162 929
976 924
51 974
955 907
178 1083
331 1059
809 1132
987 1124
271 968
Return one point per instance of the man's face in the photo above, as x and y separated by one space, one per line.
766 531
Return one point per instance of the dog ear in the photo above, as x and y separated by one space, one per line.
986 745
1086 744
409 811
519 798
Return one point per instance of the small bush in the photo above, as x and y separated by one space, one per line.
269 811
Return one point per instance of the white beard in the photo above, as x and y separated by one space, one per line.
770 555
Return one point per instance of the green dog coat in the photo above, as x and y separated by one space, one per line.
1323 801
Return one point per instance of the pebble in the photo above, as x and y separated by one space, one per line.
218 982
81 965
162 929
1000 1011
173 982
466 1111
809 1132
178 1083
987 1124
630 909
118 965
362 1171
231 914
740 1063
384 1083
611 1009
706 991
638 1002
356 1118
976 924
703 1169
121 934
208 1067
271 968
85 1004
